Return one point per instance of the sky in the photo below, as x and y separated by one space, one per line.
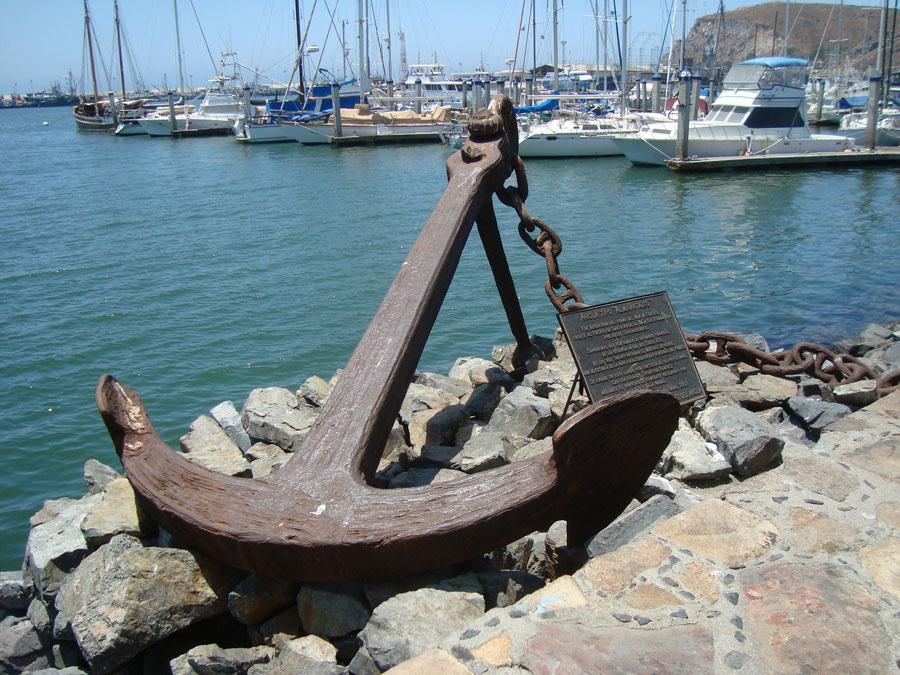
42 41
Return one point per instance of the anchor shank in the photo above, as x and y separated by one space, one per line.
354 425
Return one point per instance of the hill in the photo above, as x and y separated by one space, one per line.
758 30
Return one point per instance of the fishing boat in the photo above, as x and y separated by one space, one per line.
761 110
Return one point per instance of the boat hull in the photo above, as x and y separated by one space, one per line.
883 137
568 145
262 132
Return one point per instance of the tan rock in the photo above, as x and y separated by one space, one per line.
720 531
495 652
766 391
118 513
614 571
889 512
815 533
883 563
430 661
821 475
650 596
313 648
561 593
699 578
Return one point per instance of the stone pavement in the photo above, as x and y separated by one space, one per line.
793 570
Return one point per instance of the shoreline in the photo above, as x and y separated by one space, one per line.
777 497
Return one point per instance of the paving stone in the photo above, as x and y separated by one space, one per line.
889 512
822 476
495 652
790 604
700 578
631 525
561 593
720 531
883 563
650 596
430 661
614 571
572 648
814 533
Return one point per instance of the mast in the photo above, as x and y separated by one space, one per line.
119 44
178 52
87 27
387 41
623 106
533 42
555 52
787 25
300 81
363 75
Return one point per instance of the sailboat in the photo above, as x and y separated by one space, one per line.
97 115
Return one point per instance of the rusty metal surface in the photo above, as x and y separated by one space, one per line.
805 357
317 519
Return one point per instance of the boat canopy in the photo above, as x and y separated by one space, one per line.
545 106
765 72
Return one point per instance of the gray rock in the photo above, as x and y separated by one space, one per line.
478 371
214 660
20 647
448 385
15 592
419 477
872 336
559 397
748 442
62 628
523 413
284 624
858 394
409 623
274 415
717 379
313 648
332 610
117 513
422 397
892 355
631 525
484 400
689 458
227 417
258 598
267 465
263 451
443 579
207 444
57 546
486 451
766 391
656 485
363 663
504 588
68 670
467 431
124 598
98 475
40 618
816 414
436 427
436 457
533 448
315 391
553 377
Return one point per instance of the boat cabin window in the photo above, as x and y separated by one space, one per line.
727 113
766 118
759 76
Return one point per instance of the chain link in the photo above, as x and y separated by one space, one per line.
805 357
546 244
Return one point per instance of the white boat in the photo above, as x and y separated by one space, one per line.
761 110
569 134
221 106
437 89
887 130
361 121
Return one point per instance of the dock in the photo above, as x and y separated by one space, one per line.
380 139
808 159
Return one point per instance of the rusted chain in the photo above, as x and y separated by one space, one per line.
805 357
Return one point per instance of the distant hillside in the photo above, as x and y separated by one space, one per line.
759 31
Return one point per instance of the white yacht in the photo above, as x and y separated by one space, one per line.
761 110
887 130
569 134
362 121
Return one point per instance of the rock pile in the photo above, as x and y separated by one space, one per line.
767 540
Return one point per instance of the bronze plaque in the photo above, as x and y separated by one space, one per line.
631 344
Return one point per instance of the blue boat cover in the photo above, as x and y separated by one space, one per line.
848 102
774 61
546 106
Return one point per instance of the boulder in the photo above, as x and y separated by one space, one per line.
486 451
688 457
504 588
422 397
553 377
478 371
523 413
449 385
484 400
631 525
57 546
229 419
20 647
207 444
117 513
766 391
98 475
419 477
315 391
409 623
816 414
857 394
214 660
436 427
274 415
332 609
124 598
15 592
258 598
748 442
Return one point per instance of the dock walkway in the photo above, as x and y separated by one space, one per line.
809 159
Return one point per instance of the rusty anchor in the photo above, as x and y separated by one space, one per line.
317 519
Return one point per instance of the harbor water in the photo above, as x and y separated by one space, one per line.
195 270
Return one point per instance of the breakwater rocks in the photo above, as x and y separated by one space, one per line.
767 540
